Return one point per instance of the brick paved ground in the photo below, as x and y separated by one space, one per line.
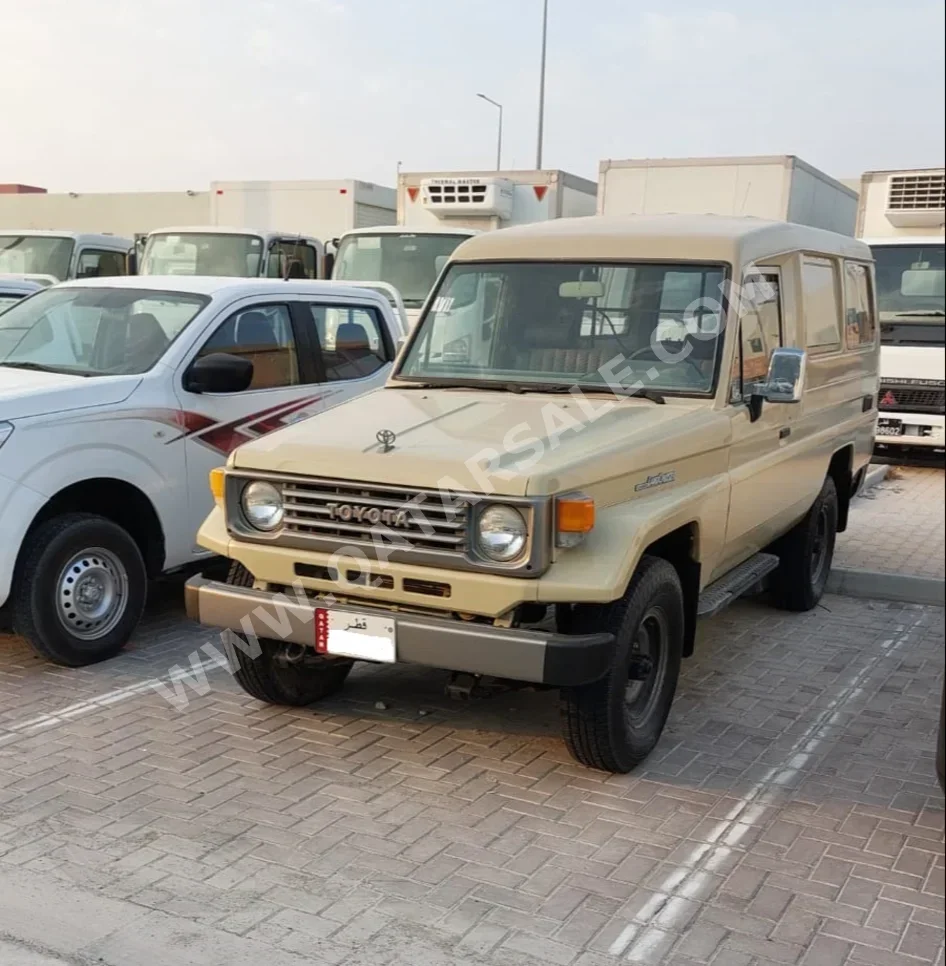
899 526
789 816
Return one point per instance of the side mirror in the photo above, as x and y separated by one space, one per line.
328 264
785 382
131 262
219 372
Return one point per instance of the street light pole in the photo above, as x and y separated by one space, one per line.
545 28
499 136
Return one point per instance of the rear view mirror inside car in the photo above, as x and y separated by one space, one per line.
581 290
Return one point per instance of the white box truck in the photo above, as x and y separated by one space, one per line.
437 210
901 217
777 188
325 209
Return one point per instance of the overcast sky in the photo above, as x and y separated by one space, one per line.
102 95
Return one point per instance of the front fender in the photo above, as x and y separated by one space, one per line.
600 569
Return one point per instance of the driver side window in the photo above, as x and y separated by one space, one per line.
760 332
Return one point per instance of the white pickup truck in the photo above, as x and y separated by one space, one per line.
117 398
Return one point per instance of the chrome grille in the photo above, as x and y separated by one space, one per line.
357 513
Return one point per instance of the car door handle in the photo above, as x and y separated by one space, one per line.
785 432
867 404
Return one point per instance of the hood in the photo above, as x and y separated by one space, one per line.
24 392
912 362
446 437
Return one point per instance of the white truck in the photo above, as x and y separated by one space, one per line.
436 211
117 398
267 229
901 217
53 256
777 188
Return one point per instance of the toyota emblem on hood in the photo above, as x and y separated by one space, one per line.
386 438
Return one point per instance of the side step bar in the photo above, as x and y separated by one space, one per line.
733 585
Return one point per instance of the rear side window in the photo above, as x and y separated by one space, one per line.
859 323
350 339
93 263
822 311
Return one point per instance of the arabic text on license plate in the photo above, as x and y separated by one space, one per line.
890 427
360 636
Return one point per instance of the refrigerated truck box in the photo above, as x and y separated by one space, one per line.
324 209
777 188
485 200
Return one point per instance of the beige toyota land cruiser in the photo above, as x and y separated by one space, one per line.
599 431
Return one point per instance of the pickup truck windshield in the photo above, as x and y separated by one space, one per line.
35 255
210 253
409 262
558 323
94 331
911 281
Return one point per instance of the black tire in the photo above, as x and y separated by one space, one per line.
262 678
805 554
601 726
41 608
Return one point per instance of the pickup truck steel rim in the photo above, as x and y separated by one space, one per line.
819 548
649 656
92 593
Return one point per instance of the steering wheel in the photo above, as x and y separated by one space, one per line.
647 351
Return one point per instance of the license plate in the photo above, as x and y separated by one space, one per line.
363 637
889 427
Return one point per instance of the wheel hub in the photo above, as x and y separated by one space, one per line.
92 594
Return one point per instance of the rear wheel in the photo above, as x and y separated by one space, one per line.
266 675
79 590
806 553
614 724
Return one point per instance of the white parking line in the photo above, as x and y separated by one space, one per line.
664 911
44 722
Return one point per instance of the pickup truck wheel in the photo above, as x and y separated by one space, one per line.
613 724
805 554
263 677
79 590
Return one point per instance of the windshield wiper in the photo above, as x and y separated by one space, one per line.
541 387
932 314
39 367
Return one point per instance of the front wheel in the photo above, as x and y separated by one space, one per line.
614 723
261 673
806 553
80 589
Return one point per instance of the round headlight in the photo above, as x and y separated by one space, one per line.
501 533
262 505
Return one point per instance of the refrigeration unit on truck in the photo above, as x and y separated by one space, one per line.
776 188
901 217
437 211
55 256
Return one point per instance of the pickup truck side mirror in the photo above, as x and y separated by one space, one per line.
131 262
784 382
219 372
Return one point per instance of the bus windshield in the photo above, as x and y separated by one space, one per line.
410 262
202 253
35 255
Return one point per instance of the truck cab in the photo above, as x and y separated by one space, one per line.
408 260
231 252
911 287
56 256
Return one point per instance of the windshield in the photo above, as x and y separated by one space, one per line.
35 255
409 262
94 331
620 325
192 253
911 280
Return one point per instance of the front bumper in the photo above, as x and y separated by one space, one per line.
538 657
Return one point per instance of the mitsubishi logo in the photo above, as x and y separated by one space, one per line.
889 399
386 438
